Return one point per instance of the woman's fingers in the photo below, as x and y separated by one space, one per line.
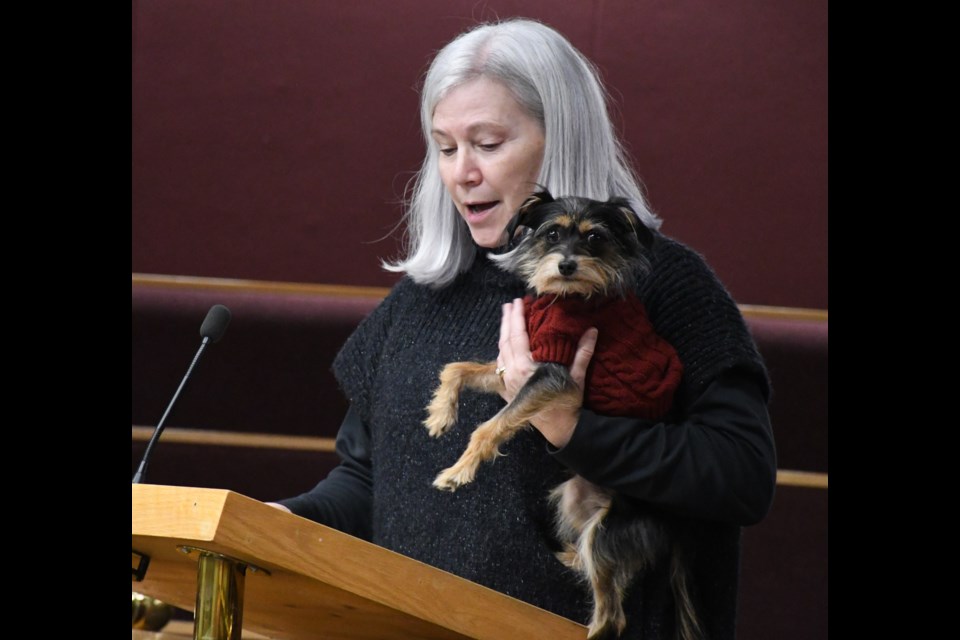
515 362
519 341
581 360
504 343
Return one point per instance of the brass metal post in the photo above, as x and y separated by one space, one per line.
219 612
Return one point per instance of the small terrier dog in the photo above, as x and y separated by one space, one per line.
581 257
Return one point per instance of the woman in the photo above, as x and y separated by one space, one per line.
507 107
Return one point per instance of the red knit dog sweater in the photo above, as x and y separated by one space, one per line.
633 372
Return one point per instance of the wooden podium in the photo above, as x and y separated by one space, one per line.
239 563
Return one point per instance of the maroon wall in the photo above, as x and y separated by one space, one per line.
272 140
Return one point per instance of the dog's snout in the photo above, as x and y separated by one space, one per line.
567 267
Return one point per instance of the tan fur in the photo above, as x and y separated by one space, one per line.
564 220
581 507
486 439
592 277
442 412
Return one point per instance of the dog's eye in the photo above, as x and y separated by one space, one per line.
553 236
594 238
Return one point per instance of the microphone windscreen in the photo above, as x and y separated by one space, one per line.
215 324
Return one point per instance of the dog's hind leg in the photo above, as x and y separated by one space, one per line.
442 410
688 622
575 502
616 548
606 579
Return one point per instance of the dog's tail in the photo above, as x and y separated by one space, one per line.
688 624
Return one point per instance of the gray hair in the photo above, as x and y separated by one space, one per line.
559 87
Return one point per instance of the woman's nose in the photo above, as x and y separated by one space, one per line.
467 171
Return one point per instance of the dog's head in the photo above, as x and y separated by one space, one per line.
573 245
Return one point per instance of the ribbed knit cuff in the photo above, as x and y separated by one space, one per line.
556 350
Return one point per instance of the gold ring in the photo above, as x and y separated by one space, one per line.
499 371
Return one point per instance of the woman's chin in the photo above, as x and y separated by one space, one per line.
488 239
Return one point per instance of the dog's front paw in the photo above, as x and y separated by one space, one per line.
439 420
442 411
455 477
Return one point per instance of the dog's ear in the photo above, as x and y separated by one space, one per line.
527 216
540 197
530 215
642 231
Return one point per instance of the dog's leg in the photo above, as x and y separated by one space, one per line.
442 411
583 512
575 502
688 622
619 544
549 386
567 526
484 445
608 618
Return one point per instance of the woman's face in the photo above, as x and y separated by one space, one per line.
490 155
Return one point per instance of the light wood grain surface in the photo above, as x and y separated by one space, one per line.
321 583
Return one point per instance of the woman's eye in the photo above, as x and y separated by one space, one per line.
448 151
492 146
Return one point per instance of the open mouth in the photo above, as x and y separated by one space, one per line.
480 207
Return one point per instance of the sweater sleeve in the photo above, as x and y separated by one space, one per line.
717 463
692 310
344 499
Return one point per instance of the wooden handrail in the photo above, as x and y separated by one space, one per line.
785 477
256 286
356 291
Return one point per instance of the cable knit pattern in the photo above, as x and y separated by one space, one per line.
633 372
498 529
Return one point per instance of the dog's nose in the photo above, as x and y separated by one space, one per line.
567 267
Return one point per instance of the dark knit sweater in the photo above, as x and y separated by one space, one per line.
633 371
714 460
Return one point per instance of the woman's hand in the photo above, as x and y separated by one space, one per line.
518 364
515 359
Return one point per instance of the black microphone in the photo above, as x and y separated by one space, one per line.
212 329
